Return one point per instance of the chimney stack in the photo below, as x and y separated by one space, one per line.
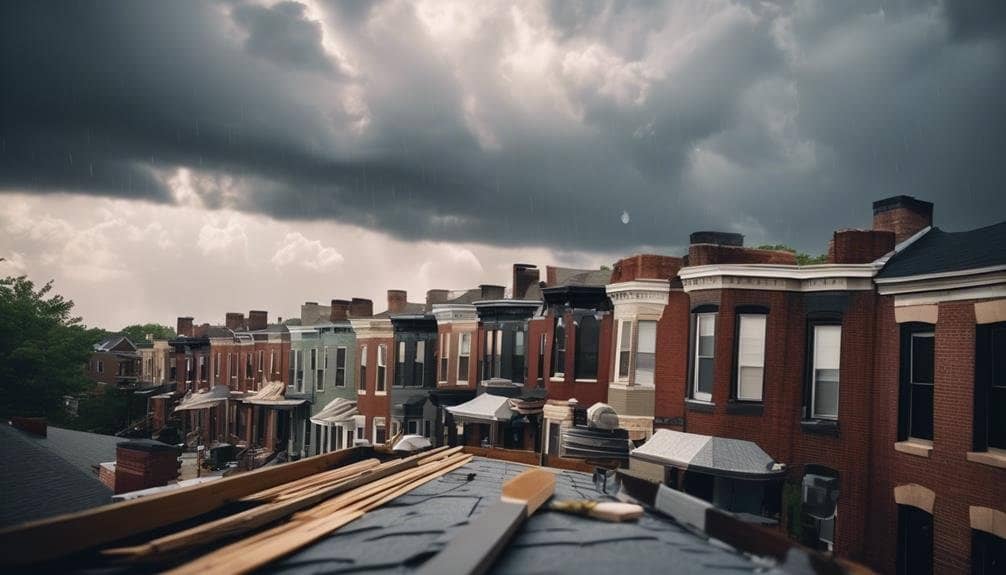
340 310
524 276
434 296
717 238
184 327
235 321
397 299
257 320
491 291
361 307
903 215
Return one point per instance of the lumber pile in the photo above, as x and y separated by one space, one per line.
271 522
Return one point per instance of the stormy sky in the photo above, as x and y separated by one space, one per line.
191 158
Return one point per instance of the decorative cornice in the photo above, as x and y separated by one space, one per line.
370 327
454 313
771 277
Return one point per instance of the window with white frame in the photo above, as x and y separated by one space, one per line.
464 357
825 374
646 352
623 359
202 367
272 362
419 367
382 367
362 385
750 356
559 349
705 336
445 354
261 360
340 367
216 366
380 431
319 374
401 377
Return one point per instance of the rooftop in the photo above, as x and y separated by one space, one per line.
938 251
46 476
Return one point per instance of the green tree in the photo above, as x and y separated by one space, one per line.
138 332
802 259
43 349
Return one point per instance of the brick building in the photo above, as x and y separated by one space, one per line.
115 361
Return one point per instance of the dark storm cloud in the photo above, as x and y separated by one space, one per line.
780 121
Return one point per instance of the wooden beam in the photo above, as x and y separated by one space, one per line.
57 537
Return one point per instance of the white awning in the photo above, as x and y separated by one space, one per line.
339 410
715 455
484 407
272 395
412 443
204 399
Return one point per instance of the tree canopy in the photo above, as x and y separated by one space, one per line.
138 332
43 348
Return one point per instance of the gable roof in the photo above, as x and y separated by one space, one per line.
46 476
116 342
716 455
938 251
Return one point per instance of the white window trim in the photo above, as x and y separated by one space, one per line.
559 376
461 337
345 358
445 354
740 356
319 382
618 351
377 372
813 375
696 394
420 358
635 352
378 422
363 363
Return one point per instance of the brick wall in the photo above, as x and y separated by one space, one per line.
859 246
705 254
371 404
671 368
586 392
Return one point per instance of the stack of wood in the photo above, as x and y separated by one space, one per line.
277 520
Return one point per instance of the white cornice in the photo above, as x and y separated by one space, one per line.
371 327
953 275
943 286
639 297
454 313
773 277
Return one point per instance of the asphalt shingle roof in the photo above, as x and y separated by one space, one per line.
939 251
399 536
46 476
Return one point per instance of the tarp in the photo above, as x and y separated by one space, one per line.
204 399
714 455
337 411
484 407
412 443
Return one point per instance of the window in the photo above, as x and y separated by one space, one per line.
820 499
299 364
990 387
445 353
542 345
427 428
340 367
382 362
559 349
988 553
412 427
750 357
588 336
419 368
249 369
464 357
915 409
705 336
396 427
319 374
490 354
189 373
646 355
202 367
272 362
380 433
401 378
827 350
362 386
624 350
101 366
261 360
915 541
216 367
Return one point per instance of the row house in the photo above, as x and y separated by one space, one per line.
375 338
457 373
154 361
332 424
115 362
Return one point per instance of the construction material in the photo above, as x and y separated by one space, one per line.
614 511
308 526
475 549
57 537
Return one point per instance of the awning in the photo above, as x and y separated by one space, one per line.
204 399
412 443
411 407
339 410
531 402
713 455
272 395
485 407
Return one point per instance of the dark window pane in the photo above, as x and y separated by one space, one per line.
706 375
463 368
922 412
587 343
623 364
915 541
997 417
363 377
988 553
922 359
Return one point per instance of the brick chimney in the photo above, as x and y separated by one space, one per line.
340 310
143 463
184 327
257 320
524 276
717 238
491 291
361 307
903 215
33 425
397 298
235 321
436 296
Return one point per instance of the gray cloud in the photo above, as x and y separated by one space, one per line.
527 125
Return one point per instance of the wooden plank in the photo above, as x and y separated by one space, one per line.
56 537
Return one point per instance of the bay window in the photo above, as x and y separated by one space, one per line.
464 357
624 350
646 352
445 355
559 349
